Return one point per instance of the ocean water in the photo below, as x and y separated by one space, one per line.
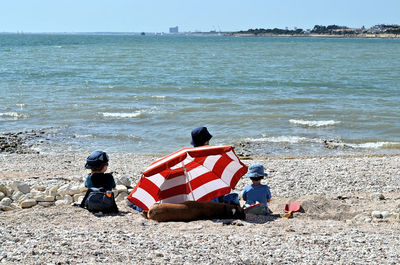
144 94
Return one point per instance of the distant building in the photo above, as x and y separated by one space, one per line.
383 28
173 30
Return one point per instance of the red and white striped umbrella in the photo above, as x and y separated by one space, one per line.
190 174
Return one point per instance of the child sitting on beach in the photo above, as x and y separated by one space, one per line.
99 197
97 162
256 195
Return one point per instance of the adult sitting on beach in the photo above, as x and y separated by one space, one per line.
200 137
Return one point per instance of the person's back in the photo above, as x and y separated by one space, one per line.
99 197
256 192
97 162
100 180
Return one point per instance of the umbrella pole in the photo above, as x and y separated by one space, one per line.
187 179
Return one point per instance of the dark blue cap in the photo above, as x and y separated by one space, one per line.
96 160
200 135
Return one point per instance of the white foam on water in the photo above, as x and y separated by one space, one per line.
14 115
21 105
373 145
83 135
282 139
314 123
122 114
159 97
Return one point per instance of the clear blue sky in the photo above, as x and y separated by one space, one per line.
190 15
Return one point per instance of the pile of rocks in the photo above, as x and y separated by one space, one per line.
22 142
19 195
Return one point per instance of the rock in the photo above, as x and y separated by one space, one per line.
74 190
46 204
5 201
17 195
123 180
25 197
82 188
14 205
2 195
377 196
122 196
5 190
27 203
386 214
376 214
40 188
78 198
63 190
22 187
68 199
5 208
60 202
52 191
121 188
44 198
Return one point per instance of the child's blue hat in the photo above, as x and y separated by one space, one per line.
96 160
200 135
256 170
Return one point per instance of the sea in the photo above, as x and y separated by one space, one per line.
272 96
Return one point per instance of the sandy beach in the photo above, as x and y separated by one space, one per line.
350 215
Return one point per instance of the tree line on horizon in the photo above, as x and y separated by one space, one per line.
330 29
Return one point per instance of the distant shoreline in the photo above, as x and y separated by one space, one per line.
223 34
356 36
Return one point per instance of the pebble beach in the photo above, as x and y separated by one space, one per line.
350 215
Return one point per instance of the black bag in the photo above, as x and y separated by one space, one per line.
99 200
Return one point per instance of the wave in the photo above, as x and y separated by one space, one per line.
314 123
21 105
121 137
210 100
14 115
159 97
136 114
377 145
279 101
283 139
83 136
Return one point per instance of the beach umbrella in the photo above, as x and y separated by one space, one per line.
190 174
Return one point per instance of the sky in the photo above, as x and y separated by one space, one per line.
190 15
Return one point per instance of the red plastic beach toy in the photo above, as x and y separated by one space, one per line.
291 208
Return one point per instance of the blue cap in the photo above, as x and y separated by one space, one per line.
96 160
256 170
200 135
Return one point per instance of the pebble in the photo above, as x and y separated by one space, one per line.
377 196
27 203
70 235
5 190
376 214
6 201
386 214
